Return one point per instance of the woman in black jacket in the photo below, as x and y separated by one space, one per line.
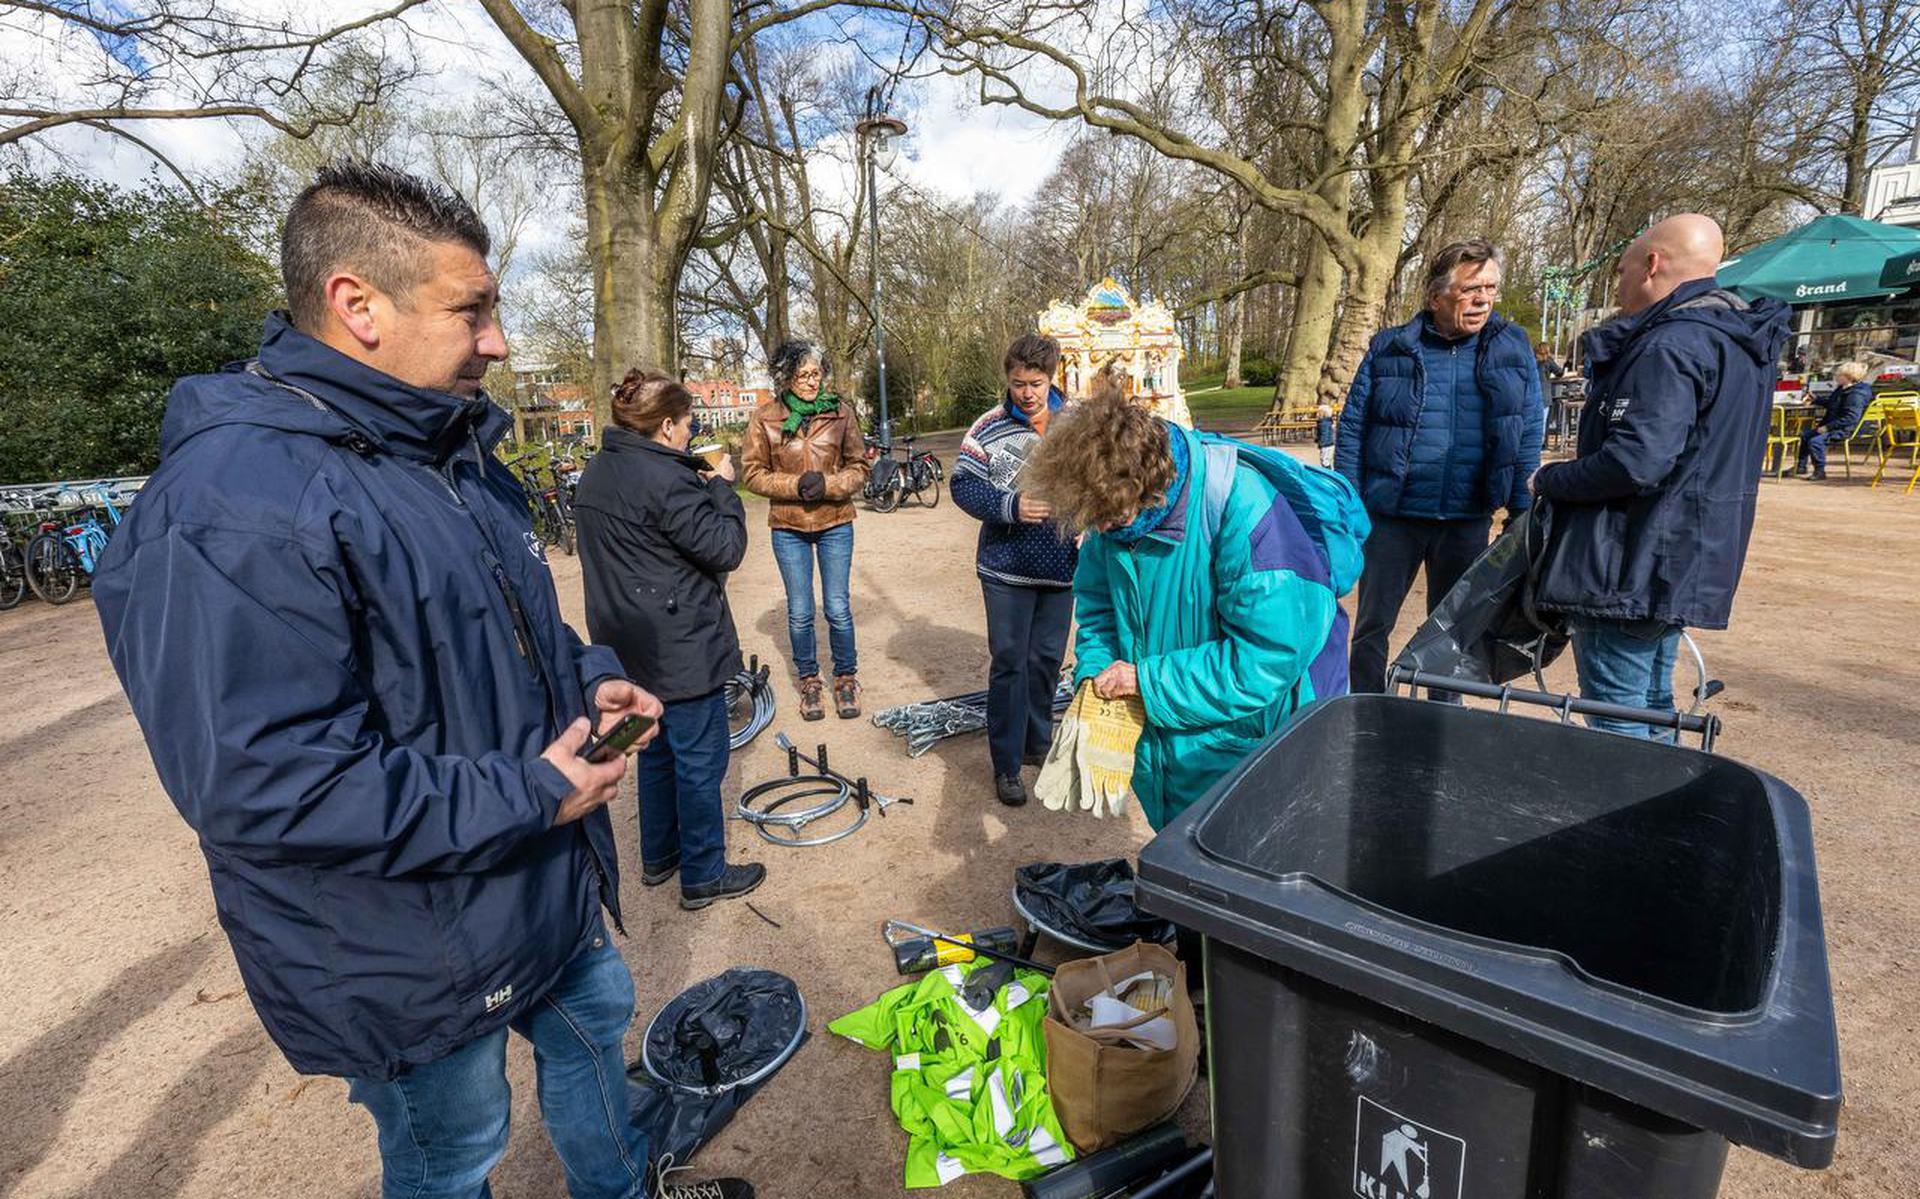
659 530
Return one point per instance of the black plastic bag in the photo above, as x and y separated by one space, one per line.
1087 903
710 1048
1486 629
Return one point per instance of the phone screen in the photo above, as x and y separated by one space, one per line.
617 740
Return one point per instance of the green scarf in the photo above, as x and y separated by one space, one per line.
800 411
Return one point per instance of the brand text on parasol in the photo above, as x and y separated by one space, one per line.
1821 289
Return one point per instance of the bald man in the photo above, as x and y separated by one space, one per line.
1651 518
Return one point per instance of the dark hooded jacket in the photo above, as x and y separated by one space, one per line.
1651 520
1846 406
341 640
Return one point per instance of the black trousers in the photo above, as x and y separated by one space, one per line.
1027 637
1395 552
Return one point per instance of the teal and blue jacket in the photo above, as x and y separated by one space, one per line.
1228 610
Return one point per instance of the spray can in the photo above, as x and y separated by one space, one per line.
911 955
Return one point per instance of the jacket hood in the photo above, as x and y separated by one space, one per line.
333 397
1759 327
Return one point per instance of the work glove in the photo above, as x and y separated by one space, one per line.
1059 783
813 487
1110 732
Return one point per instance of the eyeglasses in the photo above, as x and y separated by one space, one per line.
814 375
1489 291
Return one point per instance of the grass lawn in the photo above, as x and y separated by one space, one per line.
1212 404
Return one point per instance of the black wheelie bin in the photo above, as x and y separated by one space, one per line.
1455 954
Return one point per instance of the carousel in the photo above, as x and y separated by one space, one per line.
1107 330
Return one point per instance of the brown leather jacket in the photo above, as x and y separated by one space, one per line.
772 463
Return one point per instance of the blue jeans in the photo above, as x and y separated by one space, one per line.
1626 662
443 1125
679 775
795 552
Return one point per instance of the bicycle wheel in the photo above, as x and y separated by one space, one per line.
53 569
928 492
887 498
13 579
567 537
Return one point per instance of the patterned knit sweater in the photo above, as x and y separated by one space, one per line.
986 485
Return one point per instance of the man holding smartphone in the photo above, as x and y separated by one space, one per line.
343 645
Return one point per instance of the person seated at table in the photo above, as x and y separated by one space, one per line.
1845 405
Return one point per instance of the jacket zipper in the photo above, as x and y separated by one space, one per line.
525 642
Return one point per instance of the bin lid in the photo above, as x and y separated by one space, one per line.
1640 917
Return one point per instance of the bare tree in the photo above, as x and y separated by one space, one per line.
110 68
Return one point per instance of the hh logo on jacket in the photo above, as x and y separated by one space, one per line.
499 997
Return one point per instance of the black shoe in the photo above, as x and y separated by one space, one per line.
1010 789
713 1188
1818 476
652 875
733 882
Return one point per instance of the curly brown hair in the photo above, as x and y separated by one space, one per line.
1101 462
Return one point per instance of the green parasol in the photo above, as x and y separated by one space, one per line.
1826 260
1902 271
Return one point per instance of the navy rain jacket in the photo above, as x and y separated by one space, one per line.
1399 462
1651 520
1845 406
343 645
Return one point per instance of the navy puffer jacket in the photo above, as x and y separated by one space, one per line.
1399 462
1651 520
342 643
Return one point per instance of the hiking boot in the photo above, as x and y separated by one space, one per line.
1009 789
810 706
713 1188
652 874
733 882
846 696
1818 476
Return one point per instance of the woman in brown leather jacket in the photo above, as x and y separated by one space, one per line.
804 452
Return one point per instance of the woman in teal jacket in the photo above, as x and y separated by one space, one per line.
1207 585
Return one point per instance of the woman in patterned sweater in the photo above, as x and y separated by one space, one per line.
1025 564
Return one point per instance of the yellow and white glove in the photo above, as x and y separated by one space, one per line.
1059 781
1110 732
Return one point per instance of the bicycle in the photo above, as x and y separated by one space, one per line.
60 554
893 480
551 503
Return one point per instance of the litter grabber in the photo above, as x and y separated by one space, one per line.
891 927
861 793
912 955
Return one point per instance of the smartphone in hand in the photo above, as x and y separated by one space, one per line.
617 740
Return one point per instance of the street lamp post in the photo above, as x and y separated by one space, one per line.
882 134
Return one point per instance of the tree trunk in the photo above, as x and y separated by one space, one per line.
633 289
1310 330
1378 250
1234 320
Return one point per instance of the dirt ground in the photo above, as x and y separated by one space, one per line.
133 1064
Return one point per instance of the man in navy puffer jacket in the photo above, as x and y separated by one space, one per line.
341 640
1442 426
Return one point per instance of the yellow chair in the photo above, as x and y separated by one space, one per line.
1781 441
1868 429
1902 418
